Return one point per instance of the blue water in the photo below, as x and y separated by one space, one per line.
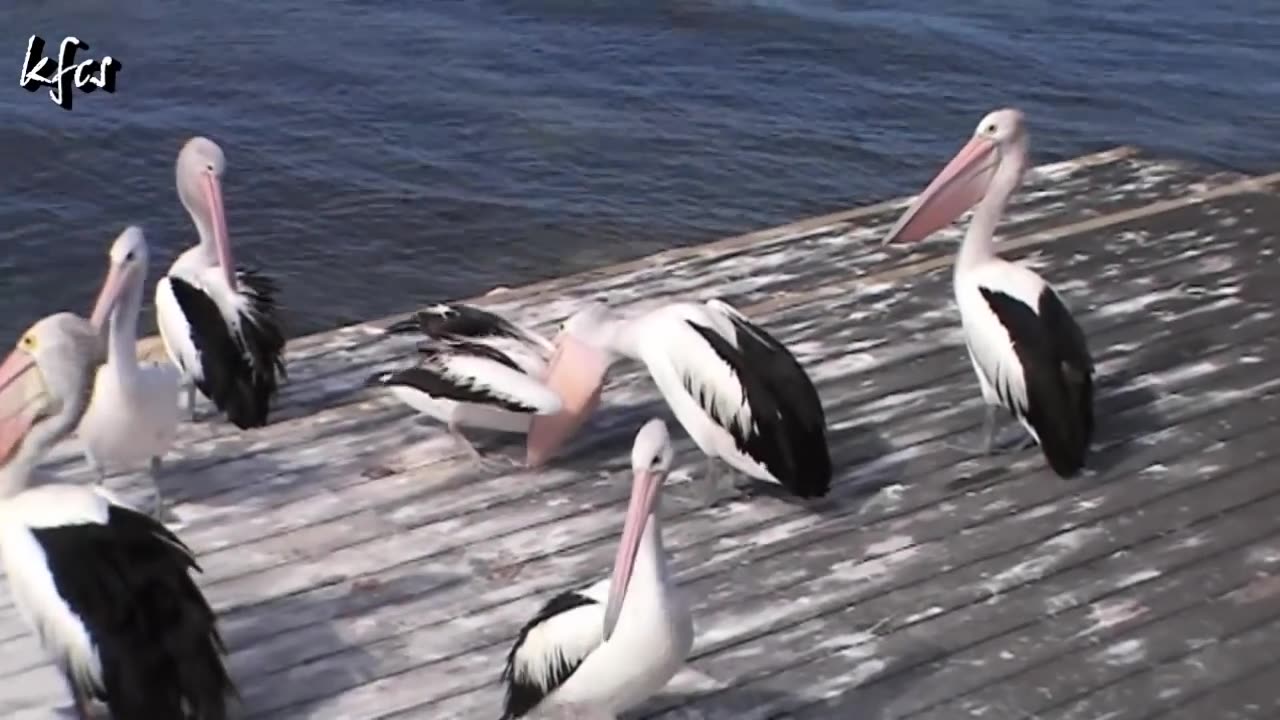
387 153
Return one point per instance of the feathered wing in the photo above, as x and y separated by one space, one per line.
474 373
803 418
229 344
85 561
552 646
1037 361
467 323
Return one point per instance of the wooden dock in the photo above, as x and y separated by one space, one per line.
361 569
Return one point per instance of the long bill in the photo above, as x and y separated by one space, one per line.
576 373
644 492
218 217
112 288
23 399
959 186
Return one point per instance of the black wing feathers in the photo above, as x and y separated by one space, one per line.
129 581
780 448
239 374
1058 373
456 321
523 696
432 378
804 419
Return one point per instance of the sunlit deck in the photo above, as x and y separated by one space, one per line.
363 570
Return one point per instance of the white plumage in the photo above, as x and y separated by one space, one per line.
33 587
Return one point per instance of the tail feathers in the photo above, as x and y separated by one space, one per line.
1066 432
165 659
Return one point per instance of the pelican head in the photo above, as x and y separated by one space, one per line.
577 370
127 270
199 171
651 456
45 384
998 148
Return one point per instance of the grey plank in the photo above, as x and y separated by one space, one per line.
1116 590
1253 696
965 609
1248 607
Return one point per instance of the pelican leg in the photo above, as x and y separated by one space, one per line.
986 436
83 707
99 474
154 471
481 462
989 444
988 429
718 485
191 402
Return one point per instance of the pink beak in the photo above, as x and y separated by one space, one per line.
112 287
20 391
644 492
218 215
959 186
576 372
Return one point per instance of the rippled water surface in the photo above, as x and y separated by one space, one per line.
386 153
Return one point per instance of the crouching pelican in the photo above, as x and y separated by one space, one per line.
475 369
107 589
1030 356
614 644
218 322
736 390
133 413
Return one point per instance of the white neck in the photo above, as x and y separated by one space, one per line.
204 229
650 576
16 474
122 338
621 337
979 239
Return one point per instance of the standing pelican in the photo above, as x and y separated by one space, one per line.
133 414
107 589
614 644
218 322
1030 356
735 389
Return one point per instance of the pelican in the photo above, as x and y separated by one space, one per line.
736 390
133 414
107 589
218 322
612 645
475 369
1030 356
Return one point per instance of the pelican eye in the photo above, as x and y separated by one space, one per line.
28 342
129 256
